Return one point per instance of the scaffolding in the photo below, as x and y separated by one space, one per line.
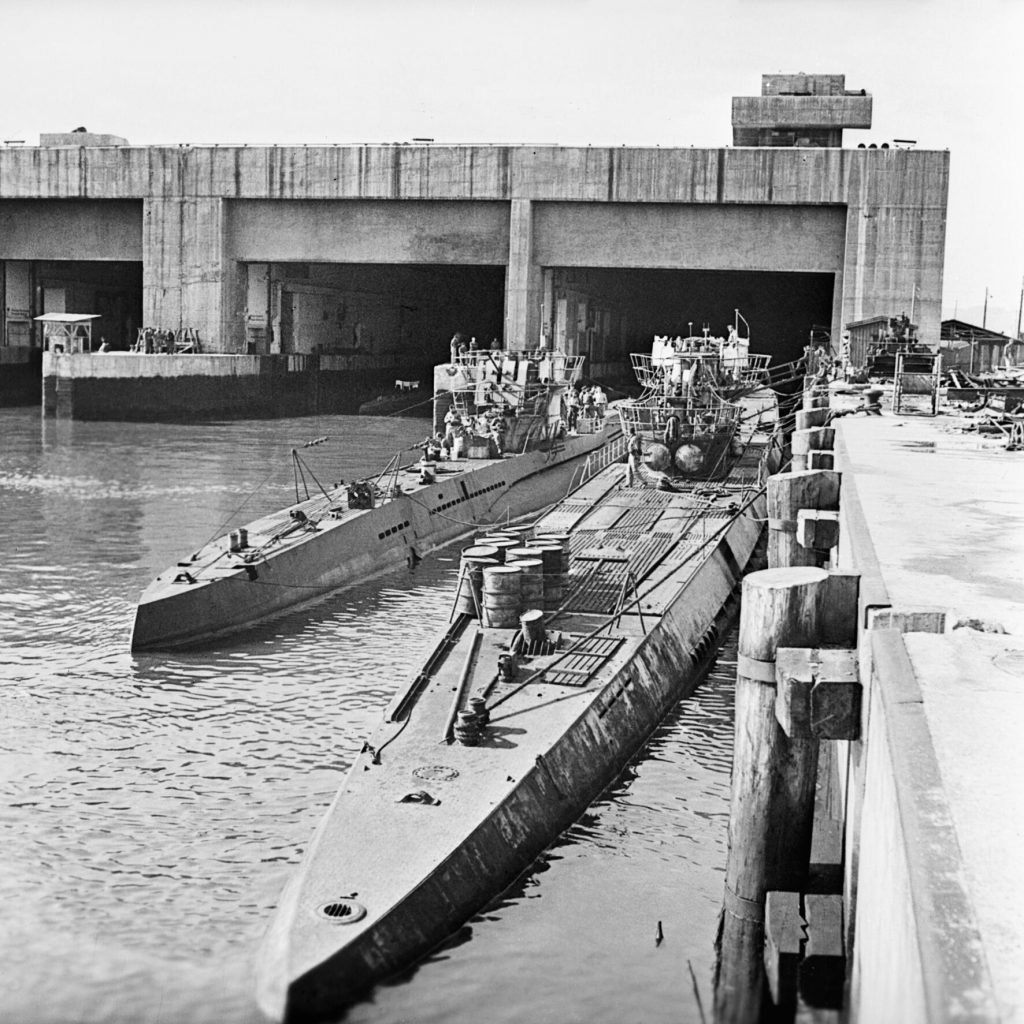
920 382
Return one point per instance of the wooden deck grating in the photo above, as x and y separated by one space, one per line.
578 668
565 515
595 583
640 518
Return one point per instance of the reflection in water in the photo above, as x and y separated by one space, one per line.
153 806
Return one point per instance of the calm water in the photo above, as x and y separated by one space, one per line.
152 807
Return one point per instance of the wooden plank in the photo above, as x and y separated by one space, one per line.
817 528
783 944
836 696
839 612
818 693
823 969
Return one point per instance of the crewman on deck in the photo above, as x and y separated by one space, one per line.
635 452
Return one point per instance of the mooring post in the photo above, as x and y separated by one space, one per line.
773 778
807 418
809 441
788 493
816 395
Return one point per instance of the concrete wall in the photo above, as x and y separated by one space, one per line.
801 112
914 950
894 201
138 387
71 229
367 231
688 237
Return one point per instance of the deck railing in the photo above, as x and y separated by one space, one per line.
608 453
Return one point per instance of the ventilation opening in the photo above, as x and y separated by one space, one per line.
342 911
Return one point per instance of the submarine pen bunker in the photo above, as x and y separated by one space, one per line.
393 318
605 313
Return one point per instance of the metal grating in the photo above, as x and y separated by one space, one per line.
578 668
596 586
643 498
565 515
643 518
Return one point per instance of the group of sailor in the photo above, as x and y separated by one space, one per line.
589 402
459 431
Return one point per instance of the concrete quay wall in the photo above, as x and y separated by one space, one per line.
933 520
167 387
202 213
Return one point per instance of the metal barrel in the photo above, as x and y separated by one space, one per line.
554 574
562 540
492 536
471 577
502 596
522 551
501 547
524 533
480 551
490 533
532 585
531 622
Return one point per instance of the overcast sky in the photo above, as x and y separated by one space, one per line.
947 73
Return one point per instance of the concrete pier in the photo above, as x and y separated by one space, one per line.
134 386
909 907
933 518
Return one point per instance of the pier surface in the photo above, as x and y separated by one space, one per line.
934 521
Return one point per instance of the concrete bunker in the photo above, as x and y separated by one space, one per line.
606 313
386 319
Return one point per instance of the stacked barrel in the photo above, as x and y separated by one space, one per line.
554 549
507 573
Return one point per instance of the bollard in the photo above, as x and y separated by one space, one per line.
787 494
773 778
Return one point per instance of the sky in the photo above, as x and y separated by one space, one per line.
946 73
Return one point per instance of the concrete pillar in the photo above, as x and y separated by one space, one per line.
184 280
547 308
523 280
895 241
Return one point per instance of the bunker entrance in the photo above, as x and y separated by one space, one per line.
111 289
605 314
383 320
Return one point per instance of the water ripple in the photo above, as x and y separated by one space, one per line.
151 807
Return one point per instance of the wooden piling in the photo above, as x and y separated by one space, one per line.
787 494
807 418
808 441
773 781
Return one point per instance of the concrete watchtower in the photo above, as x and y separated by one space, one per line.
799 110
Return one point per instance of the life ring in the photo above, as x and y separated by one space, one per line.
452 370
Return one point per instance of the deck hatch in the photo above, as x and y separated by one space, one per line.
435 773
